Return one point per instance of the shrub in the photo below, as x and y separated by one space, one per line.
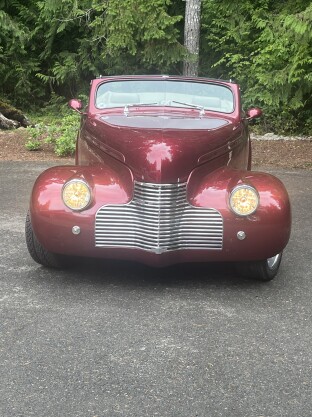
33 145
62 134
60 131
36 135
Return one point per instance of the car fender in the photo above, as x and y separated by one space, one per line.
266 231
52 220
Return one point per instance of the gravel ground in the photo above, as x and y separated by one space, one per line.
269 150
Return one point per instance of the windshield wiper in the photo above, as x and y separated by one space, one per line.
126 108
194 106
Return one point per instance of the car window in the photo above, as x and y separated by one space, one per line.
208 96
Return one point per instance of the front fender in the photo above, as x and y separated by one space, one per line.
267 230
52 221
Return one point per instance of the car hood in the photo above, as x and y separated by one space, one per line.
163 148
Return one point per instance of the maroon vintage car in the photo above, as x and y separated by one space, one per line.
162 176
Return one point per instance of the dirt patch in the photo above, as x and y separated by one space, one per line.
12 148
281 153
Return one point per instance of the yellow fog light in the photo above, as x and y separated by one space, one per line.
76 194
244 200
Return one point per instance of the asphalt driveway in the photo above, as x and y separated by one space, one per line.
120 339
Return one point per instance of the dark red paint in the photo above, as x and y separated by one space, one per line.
162 145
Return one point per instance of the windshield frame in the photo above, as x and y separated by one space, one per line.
181 104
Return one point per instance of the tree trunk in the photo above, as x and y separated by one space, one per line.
191 36
6 123
11 118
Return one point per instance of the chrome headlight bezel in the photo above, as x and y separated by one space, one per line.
253 194
87 198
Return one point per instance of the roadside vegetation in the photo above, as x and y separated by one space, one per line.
61 132
49 51
55 124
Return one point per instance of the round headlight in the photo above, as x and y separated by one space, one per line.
76 194
244 200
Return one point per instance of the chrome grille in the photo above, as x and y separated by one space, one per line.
158 219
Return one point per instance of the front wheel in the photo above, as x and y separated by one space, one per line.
38 252
264 270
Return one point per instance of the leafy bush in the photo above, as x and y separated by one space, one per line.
283 123
33 145
62 134
35 137
266 46
58 128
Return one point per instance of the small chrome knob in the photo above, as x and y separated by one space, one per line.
241 235
76 230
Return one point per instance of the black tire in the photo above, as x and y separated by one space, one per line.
264 270
38 252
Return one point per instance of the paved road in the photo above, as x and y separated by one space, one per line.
116 339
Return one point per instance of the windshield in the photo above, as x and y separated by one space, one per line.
207 96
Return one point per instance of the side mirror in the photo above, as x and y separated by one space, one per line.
253 113
75 104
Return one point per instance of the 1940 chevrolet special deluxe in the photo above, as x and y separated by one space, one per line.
162 176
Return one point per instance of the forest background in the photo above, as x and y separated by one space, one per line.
50 50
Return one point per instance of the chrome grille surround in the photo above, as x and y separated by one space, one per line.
158 219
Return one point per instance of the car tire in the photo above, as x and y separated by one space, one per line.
264 270
38 252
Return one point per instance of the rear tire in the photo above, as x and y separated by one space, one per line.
264 270
38 252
